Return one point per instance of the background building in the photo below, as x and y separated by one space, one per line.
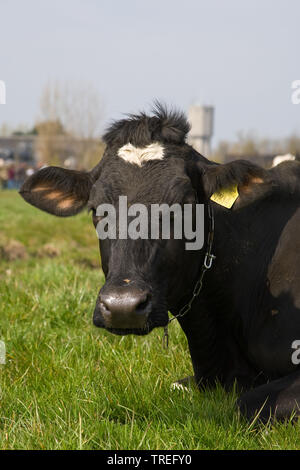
18 148
201 119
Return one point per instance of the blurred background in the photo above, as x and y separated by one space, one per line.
70 67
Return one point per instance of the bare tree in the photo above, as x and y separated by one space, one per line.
248 145
69 124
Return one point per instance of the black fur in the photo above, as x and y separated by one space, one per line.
239 172
168 127
68 183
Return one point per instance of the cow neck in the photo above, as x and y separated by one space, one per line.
207 264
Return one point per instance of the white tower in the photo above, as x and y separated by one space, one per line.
201 119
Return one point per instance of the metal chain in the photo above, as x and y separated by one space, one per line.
207 264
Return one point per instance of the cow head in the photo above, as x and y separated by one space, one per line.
148 161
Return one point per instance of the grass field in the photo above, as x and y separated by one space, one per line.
68 385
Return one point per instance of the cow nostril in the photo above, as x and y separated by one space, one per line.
104 307
125 308
105 311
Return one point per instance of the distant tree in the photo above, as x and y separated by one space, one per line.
249 145
49 128
22 129
246 144
293 145
5 130
221 151
69 124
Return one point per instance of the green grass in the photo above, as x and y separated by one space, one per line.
68 385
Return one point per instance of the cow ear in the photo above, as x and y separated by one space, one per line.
225 183
58 191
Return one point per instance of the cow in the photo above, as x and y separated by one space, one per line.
237 299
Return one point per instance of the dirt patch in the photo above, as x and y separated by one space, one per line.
13 250
89 263
49 250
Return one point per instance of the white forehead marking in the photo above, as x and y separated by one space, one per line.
140 155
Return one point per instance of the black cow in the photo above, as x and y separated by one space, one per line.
243 324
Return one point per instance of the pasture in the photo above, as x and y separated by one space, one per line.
68 385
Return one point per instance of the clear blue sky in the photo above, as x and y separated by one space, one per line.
239 55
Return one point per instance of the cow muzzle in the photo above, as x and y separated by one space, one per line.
123 308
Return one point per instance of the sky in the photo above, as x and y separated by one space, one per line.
240 56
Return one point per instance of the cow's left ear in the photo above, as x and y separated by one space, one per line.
57 190
225 183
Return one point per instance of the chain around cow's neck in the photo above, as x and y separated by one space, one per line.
207 264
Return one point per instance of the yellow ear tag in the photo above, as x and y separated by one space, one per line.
226 197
